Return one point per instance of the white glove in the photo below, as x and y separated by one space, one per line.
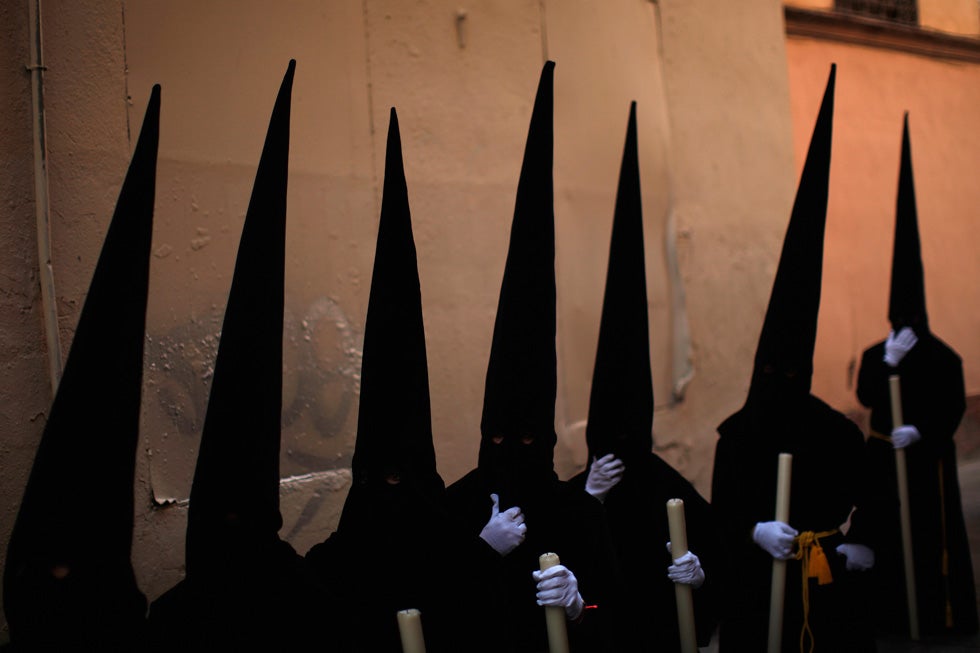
558 586
686 569
897 345
905 435
775 538
859 557
604 474
506 530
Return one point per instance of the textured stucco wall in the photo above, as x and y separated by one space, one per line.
716 164
25 392
733 185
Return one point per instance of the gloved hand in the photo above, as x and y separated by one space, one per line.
776 538
604 474
506 530
897 345
859 557
558 586
686 569
905 435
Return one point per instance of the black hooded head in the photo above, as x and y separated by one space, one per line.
234 506
621 403
518 425
394 462
784 357
68 580
907 305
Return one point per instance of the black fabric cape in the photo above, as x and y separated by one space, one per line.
274 605
933 401
403 552
561 519
827 480
637 514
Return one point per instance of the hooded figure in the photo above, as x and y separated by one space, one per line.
780 415
395 510
245 589
933 402
514 485
68 583
634 483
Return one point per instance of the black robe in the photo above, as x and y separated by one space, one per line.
827 481
932 401
397 552
269 604
560 519
637 514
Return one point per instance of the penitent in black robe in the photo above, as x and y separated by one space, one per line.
561 519
397 549
933 401
270 604
636 510
827 481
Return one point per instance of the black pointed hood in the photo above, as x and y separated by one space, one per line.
87 454
621 402
521 382
394 425
234 503
907 305
789 332
518 424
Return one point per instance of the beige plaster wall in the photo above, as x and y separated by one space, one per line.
717 173
954 16
733 184
874 88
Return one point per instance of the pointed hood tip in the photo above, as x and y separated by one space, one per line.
620 417
521 375
788 336
394 429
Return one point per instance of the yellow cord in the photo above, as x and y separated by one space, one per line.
814 565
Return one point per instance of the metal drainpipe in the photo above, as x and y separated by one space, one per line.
41 204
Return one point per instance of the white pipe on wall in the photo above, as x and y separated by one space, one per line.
41 204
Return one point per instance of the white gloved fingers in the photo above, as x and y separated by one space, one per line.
505 531
605 460
512 514
906 338
776 538
897 345
687 570
557 586
604 474
905 435
687 560
858 557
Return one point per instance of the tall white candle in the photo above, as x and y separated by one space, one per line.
778 589
685 601
554 615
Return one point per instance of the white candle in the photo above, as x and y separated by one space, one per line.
901 474
778 589
410 629
554 615
685 601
